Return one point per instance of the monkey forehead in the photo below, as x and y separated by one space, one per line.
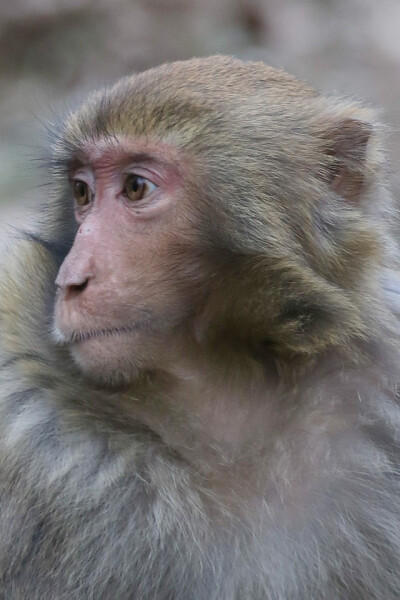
185 99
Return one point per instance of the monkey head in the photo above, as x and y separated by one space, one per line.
215 201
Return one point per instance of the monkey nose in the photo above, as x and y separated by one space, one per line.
72 284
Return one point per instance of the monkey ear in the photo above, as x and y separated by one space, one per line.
347 151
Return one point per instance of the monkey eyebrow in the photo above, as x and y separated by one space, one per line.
143 157
80 160
149 158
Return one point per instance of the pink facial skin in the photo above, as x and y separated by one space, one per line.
117 303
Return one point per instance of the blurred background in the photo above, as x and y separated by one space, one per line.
53 50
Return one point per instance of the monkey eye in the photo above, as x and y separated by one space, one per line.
82 193
137 187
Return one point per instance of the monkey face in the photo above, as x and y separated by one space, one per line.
123 290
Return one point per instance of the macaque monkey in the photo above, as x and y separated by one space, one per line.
200 350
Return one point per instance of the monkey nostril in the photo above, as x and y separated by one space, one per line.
77 288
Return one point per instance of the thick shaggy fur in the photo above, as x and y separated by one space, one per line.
95 502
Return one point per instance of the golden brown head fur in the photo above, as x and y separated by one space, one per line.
261 150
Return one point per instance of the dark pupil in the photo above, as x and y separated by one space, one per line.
81 189
134 184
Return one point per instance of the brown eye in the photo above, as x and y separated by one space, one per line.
137 187
82 193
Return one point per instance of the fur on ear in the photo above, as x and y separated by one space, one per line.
347 148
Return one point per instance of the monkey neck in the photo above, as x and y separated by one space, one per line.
212 406
221 409
226 418
212 409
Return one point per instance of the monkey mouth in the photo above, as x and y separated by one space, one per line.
83 336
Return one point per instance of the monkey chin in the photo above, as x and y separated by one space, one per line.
114 359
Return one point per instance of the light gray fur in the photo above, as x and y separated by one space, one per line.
90 511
